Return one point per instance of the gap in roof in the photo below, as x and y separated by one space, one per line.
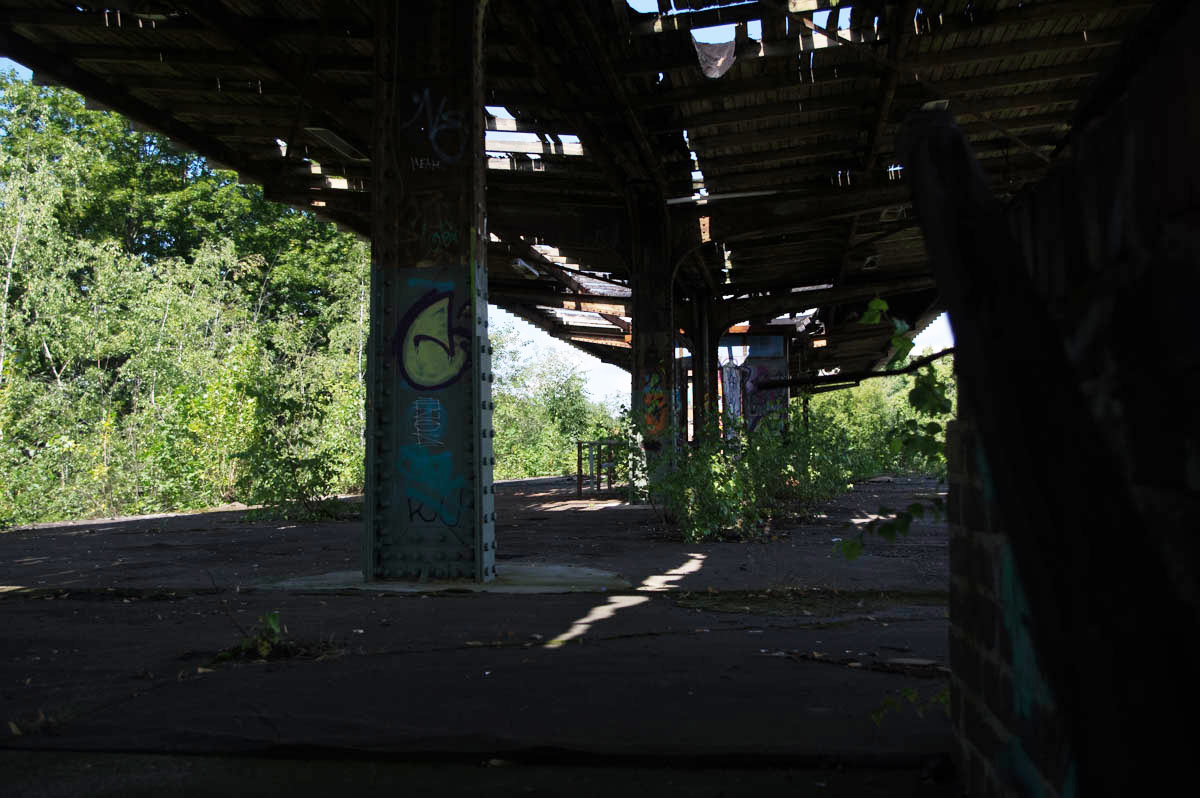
500 112
717 34
842 22
651 6
723 34
497 136
821 19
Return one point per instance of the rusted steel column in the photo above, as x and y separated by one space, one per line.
653 384
429 504
704 352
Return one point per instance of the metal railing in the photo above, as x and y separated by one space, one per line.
601 461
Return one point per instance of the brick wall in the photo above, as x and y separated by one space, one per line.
1010 740
1111 240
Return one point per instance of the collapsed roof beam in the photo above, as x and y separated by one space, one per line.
899 37
589 303
796 108
850 73
1000 19
767 137
616 86
326 102
611 161
709 17
67 73
734 310
343 29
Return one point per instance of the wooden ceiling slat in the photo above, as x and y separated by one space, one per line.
769 138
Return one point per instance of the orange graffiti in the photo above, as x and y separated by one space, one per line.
654 405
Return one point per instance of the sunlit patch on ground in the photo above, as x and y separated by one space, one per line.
654 583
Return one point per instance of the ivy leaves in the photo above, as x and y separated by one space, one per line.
928 394
888 526
876 312
928 398
900 344
912 438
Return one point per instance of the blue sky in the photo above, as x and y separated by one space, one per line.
7 64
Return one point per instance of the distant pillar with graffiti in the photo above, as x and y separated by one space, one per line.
654 372
429 509
704 361
767 360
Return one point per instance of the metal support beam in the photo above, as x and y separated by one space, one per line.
898 40
734 310
654 388
704 361
429 504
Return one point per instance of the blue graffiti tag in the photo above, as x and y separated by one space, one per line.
426 421
430 482
444 128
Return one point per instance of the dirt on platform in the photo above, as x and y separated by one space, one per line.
778 654
538 520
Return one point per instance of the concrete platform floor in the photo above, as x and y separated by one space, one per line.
777 661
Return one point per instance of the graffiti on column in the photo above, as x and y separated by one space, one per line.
427 227
654 405
433 341
432 347
434 232
731 391
427 422
433 489
1031 696
442 126
760 403
438 134
434 492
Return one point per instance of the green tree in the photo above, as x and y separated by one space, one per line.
541 410
168 339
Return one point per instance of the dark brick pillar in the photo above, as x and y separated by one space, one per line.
1010 739
1076 478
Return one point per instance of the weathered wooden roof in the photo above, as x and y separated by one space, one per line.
780 174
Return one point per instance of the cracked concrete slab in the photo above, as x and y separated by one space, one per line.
511 577
605 636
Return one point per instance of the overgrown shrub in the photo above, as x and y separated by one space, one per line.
737 485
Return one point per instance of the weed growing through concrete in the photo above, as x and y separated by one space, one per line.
269 640
909 697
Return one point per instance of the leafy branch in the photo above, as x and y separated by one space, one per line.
888 526
877 311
